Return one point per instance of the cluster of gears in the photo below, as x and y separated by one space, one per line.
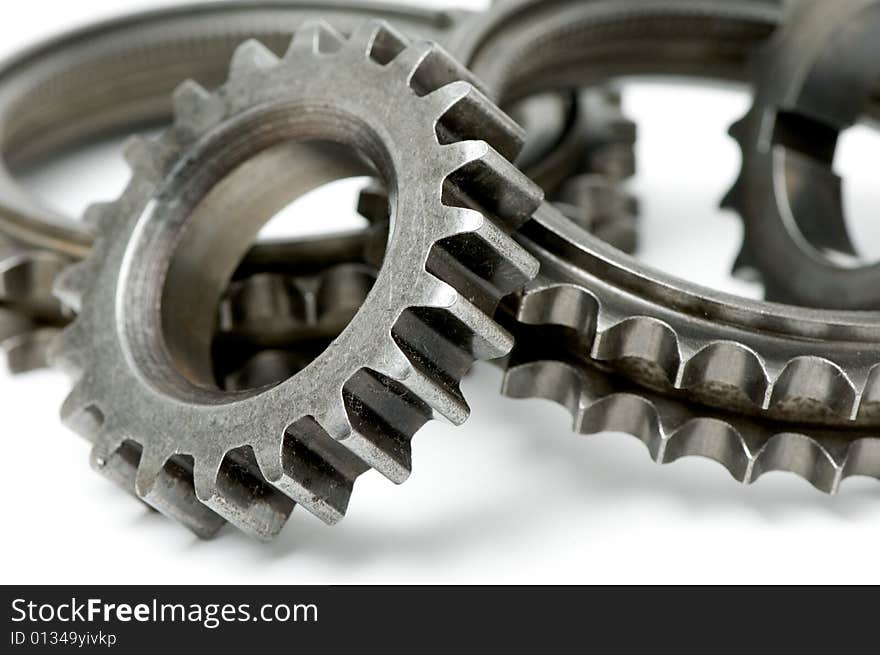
221 381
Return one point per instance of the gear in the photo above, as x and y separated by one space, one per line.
814 80
780 362
143 390
672 428
771 360
55 97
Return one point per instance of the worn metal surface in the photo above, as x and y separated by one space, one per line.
139 349
55 96
805 371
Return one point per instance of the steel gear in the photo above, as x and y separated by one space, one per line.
803 370
814 80
55 96
143 391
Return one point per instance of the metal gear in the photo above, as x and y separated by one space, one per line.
29 315
814 80
810 372
54 96
143 390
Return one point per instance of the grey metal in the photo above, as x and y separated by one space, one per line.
117 77
805 371
139 350
689 371
673 428
814 80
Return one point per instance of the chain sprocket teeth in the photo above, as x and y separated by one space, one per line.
407 381
804 386
673 429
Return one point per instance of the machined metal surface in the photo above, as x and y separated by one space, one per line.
813 81
139 350
221 383
796 366
55 96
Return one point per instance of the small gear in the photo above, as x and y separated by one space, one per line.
139 350
815 79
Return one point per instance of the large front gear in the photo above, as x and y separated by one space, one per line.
140 348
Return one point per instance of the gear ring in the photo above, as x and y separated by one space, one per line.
201 456
814 80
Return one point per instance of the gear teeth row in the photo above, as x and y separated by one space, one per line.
810 387
481 198
673 429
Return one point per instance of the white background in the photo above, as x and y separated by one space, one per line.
510 497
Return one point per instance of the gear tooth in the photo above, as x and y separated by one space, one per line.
456 322
799 454
250 58
80 413
377 40
559 304
458 155
28 276
442 396
731 198
237 491
429 67
739 129
744 266
27 352
313 469
550 380
72 284
712 439
145 157
730 367
165 483
478 177
479 259
393 463
96 215
314 37
520 265
465 114
381 416
117 461
195 109
489 340
373 203
814 387
629 414
646 344
138 152
863 458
